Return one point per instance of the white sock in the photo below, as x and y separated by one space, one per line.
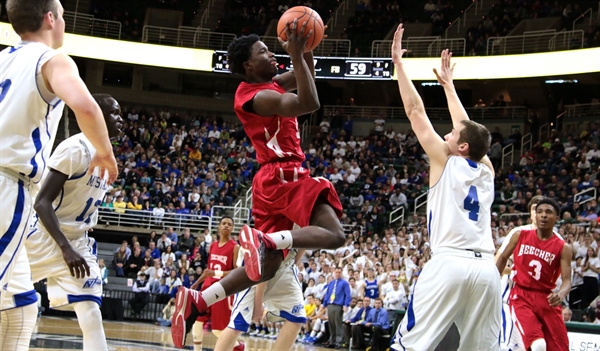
90 322
198 335
213 294
538 345
16 327
282 239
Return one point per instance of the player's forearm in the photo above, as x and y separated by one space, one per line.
310 62
92 125
47 216
307 89
456 108
260 293
565 289
501 264
413 104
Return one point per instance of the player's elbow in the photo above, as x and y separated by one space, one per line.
42 205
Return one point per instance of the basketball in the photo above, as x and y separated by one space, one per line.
303 14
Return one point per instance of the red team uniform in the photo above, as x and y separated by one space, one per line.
220 258
284 193
537 268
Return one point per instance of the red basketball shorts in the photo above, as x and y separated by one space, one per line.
536 319
284 194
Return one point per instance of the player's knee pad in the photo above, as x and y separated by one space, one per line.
538 345
198 332
17 326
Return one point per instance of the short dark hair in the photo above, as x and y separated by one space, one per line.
226 217
239 51
477 136
551 202
534 202
26 16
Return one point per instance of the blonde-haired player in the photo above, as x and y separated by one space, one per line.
461 280
35 84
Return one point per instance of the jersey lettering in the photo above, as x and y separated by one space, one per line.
4 86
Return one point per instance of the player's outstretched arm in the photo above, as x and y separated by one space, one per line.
503 247
457 111
503 256
62 78
53 185
431 142
555 299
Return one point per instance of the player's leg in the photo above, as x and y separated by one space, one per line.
239 321
480 331
90 322
19 308
198 335
524 317
189 304
323 232
554 329
436 300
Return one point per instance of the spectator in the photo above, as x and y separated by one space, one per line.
119 261
377 322
134 263
140 298
167 311
337 300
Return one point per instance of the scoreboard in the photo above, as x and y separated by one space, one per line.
327 67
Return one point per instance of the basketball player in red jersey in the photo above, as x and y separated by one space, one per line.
284 194
221 261
540 256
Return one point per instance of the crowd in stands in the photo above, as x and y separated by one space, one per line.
507 14
173 162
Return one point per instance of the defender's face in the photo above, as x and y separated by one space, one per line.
226 226
58 32
452 139
112 116
545 216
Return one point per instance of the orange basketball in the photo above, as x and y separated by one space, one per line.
303 14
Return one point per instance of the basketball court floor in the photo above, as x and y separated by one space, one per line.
55 333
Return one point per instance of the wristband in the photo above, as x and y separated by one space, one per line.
218 274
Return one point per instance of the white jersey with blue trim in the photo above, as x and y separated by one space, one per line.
29 112
76 206
458 207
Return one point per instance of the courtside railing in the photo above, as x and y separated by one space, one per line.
187 37
475 113
79 23
420 47
535 41
328 47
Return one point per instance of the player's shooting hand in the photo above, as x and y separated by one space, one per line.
554 299
397 50
106 164
296 40
77 264
444 75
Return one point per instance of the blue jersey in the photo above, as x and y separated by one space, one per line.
371 289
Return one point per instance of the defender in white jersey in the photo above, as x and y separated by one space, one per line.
283 300
58 246
35 84
460 284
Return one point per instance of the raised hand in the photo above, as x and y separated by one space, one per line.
296 42
397 50
444 75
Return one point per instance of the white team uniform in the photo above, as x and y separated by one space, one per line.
29 117
283 298
76 210
460 284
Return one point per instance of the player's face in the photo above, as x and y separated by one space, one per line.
262 61
225 226
452 140
58 32
112 115
545 216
